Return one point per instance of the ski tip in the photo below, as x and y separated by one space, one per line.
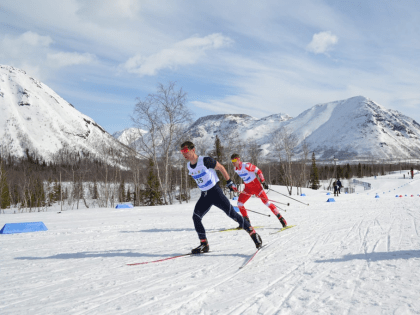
285 228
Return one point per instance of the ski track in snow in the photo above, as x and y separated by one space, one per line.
359 255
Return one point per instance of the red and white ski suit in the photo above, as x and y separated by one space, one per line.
248 172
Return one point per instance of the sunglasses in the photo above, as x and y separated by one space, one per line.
234 160
185 150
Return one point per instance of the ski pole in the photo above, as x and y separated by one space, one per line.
267 215
281 208
286 204
288 197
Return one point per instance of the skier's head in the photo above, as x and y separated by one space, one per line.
236 160
187 149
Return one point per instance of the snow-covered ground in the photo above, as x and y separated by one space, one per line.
358 255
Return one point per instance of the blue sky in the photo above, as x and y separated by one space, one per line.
249 57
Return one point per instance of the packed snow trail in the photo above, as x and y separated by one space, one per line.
359 255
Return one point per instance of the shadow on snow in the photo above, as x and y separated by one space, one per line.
402 254
117 253
159 230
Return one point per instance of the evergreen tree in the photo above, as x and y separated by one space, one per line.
347 171
135 197
38 193
218 155
95 190
50 192
359 170
152 195
55 192
339 173
4 189
128 196
15 194
314 177
121 191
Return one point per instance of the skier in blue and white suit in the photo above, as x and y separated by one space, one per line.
203 170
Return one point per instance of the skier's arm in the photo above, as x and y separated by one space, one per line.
219 167
252 168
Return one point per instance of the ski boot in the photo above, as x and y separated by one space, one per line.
246 218
203 248
282 220
256 238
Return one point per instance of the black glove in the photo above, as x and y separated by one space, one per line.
231 185
265 185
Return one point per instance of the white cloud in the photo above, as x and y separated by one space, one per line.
34 39
322 42
185 52
35 54
64 59
27 42
25 51
103 11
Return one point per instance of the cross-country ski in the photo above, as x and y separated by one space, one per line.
163 259
251 258
234 229
282 229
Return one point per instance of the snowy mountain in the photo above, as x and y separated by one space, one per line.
129 135
353 128
34 117
348 129
208 127
357 127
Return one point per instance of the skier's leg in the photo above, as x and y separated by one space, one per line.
272 207
264 199
220 201
223 203
241 201
202 206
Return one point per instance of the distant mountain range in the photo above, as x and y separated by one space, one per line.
348 129
33 117
357 127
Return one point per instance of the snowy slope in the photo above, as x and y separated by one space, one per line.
247 127
359 255
34 117
357 127
129 135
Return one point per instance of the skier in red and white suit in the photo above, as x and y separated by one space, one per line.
248 172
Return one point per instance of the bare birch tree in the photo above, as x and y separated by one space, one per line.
285 142
233 144
163 116
302 181
254 151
